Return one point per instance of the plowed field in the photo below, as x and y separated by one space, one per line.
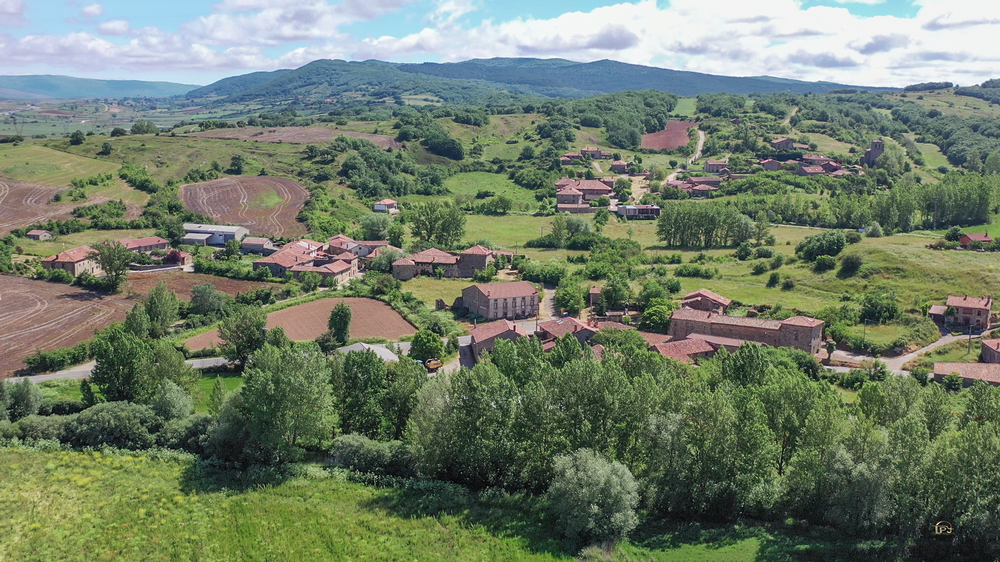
23 204
295 135
673 136
369 319
38 315
181 282
262 204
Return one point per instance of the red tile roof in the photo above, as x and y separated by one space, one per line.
255 240
993 344
969 302
705 293
140 242
569 191
73 255
614 326
938 309
719 341
978 237
484 332
989 372
802 321
653 338
478 250
507 290
813 169
386 202
682 350
562 326
403 261
433 255
36 232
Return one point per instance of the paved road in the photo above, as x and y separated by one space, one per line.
697 154
896 363
83 371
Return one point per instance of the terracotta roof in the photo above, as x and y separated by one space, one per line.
340 241
598 351
255 240
768 160
719 341
595 290
571 206
433 255
993 344
614 326
569 191
562 326
939 309
716 162
381 249
989 372
714 297
813 169
682 350
37 231
386 202
762 323
484 332
978 237
403 261
478 250
564 181
686 313
653 338
140 242
802 321
287 259
507 290
969 302
573 155
337 267
776 141
588 149
73 255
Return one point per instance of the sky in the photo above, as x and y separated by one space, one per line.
860 42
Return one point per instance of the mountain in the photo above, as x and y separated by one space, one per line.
493 80
67 87
235 84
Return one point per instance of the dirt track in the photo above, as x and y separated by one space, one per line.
242 200
295 135
675 135
369 319
38 315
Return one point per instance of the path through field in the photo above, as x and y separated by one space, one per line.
264 205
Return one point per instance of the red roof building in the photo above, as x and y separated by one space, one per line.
484 336
518 299
75 261
967 239
145 245
969 372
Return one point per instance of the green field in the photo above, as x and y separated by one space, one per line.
85 238
469 184
429 289
686 106
203 391
34 163
825 143
267 199
948 103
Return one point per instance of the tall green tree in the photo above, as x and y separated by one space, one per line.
340 322
362 392
162 308
137 321
218 397
436 222
114 259
243 332
206 299
123 370
426 345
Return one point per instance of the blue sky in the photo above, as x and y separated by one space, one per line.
869 42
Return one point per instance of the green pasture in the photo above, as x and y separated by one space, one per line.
429 289
32 162
85 238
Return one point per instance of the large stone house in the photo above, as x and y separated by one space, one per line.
714 166
969 372
799 332
971 311
145 245
990 351
75 261
485 336
39 234
706 301
783 144
464 264
518 299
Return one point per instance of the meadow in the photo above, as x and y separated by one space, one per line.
106 506
86 238
32 162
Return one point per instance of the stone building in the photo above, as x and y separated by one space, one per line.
518 299
799 332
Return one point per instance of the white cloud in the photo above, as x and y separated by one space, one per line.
872 2
114 27
12 13
92 10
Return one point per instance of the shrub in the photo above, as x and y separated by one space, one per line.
763 252
116 424
954 234
874 231
828 243
39 428
692 270
24 399
592 500
788 284
61 276
364 455
777 262
852 237
171 402
187 434
850 264
824 263
759 268
773 280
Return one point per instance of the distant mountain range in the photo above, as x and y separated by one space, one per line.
495 79
33 87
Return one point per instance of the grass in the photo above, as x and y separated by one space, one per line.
686 106
958 352
267 199
32 162
429 289
203 390
61 389
85 238
825 143
469 184
948 103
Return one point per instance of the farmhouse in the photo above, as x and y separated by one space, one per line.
701 190
518 299
573 156
770 165
799 332
713 181
145 245
990 351
485 336
697 346
386 206
341 271
76 261
589 189
816 159
258 245
569 196
619 167
565 161
554 329
971 311
706 301
302 253
714 166
383 353
39 234
638 211
595 153
967 239
213 234
969 372
810 171
465 264
782 144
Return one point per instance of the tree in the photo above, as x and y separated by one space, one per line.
206 299
657 318
623 189
560 232
106 149
286 398
168 364
310 281
592 499
24 399
137 321
4 402
218 397
426 345
162 308
237 164
114 259
437 222
375 226
527 153
395 234
77 138
340 322
123 371
762 228
954 234
362 388
880 304
992 165
171 402
243 332
118 132
144 127
601 218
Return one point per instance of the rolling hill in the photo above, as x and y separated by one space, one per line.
480 79
68 87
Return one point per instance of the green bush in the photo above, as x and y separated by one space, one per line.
38 428
829 243
171 402
593 500
364 455
24 399
824 263
188 434
759 268
850 264
57 360
763 252
116 424
852 237
774 280
788 284
692 270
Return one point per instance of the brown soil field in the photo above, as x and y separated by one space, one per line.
23 204
181 282
295 135
262 204
673 136
369 319
38 315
